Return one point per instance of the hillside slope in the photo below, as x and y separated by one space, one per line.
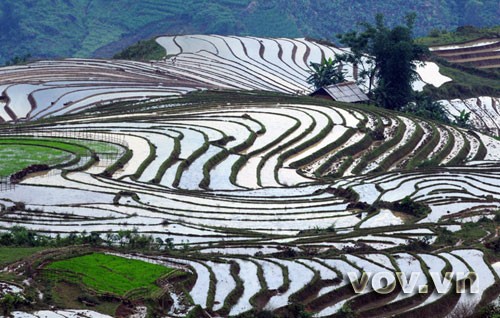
63 28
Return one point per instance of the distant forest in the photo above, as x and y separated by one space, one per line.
100 28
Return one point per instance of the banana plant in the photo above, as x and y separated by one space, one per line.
328 72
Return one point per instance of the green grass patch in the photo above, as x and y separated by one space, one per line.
10 255
15 158
110 274
19 153
49 143
471 232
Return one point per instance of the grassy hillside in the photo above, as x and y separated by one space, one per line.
60 28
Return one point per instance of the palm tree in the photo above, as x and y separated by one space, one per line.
326 73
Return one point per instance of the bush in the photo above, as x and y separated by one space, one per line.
446 237
407 205
425 107
346 193
10 302
463 119
419 245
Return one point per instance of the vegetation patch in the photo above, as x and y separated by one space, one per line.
22 156
13 254
406 205
142 51
109 274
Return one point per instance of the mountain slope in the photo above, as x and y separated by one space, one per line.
62 28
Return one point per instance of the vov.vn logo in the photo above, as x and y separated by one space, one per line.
386 282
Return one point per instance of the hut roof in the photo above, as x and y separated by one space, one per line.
347 92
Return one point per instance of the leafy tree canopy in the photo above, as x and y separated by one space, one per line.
393 58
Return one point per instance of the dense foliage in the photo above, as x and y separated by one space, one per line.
19 236
326 73
142 51
393 54
60 28
424 106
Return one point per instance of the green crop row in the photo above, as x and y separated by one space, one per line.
325 150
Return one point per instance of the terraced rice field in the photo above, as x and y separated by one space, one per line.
481 53
50 88
485 112
59 314
278 197
322 284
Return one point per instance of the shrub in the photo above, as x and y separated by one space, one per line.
407 205
346 193
419 245
424 106
377 133
446 237
10 302
463 119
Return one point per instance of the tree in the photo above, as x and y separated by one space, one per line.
326 73
393 56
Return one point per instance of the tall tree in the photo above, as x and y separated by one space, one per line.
393 55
